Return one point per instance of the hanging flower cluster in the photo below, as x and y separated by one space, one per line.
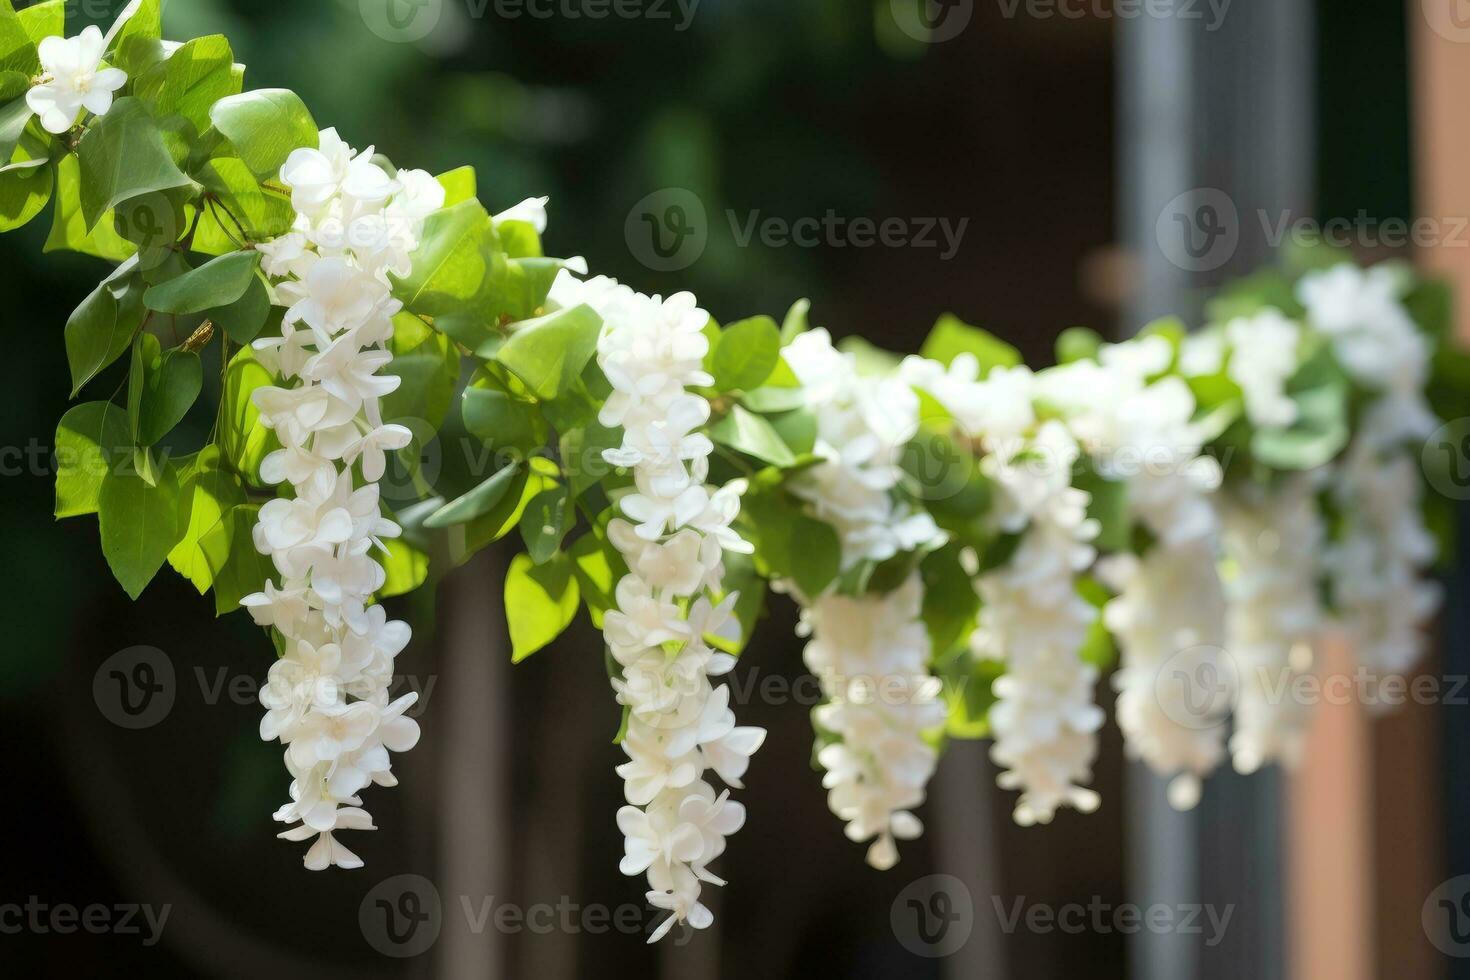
1045 719
1137 425
327 696
1377 566
673 533
871 655
1272 545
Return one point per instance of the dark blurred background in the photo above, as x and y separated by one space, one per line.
758 108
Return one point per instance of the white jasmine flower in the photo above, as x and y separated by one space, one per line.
72 77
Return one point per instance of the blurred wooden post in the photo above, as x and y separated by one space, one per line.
472 708
1329 839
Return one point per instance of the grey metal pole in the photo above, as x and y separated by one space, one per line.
1216 152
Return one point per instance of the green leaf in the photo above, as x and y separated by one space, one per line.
262 213
1108 505
242 569
504 516
91 439
546 520
549 353
193 78
1078 344
218 282
950 600
43 20
581 454
478 502
749 433
245 317
951 337
869 359
14 115
140 524
145 25
540 601
122 157
428 363
162 387
451 263
597 566
518 287
458 184
746 355
209 491
406 567
795 321
789 543
264 126
1320 391
102 327
17 48
26 183
69 229
244 440
502 420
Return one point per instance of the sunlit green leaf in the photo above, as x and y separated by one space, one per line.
540 601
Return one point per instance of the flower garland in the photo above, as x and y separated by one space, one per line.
672 534
327 696
870 653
